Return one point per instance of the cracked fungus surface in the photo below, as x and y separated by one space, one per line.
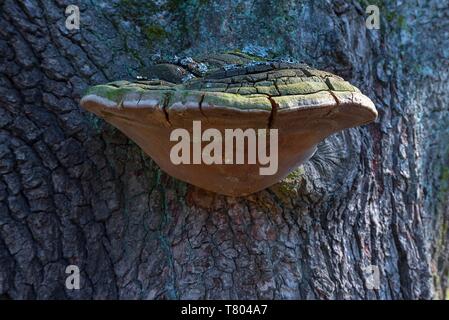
228 91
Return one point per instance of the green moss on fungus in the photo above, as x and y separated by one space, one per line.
339 85
112 93
304 87
236 101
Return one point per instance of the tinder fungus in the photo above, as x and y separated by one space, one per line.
230 123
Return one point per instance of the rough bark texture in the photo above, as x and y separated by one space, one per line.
73 190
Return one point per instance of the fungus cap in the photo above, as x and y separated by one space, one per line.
305 106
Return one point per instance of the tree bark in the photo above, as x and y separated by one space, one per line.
76 191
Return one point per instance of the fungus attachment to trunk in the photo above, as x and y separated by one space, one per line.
238 105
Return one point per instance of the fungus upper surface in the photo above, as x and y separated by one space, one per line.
231 90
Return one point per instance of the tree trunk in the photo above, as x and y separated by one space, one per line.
76 191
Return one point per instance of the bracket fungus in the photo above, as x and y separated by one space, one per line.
231 91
